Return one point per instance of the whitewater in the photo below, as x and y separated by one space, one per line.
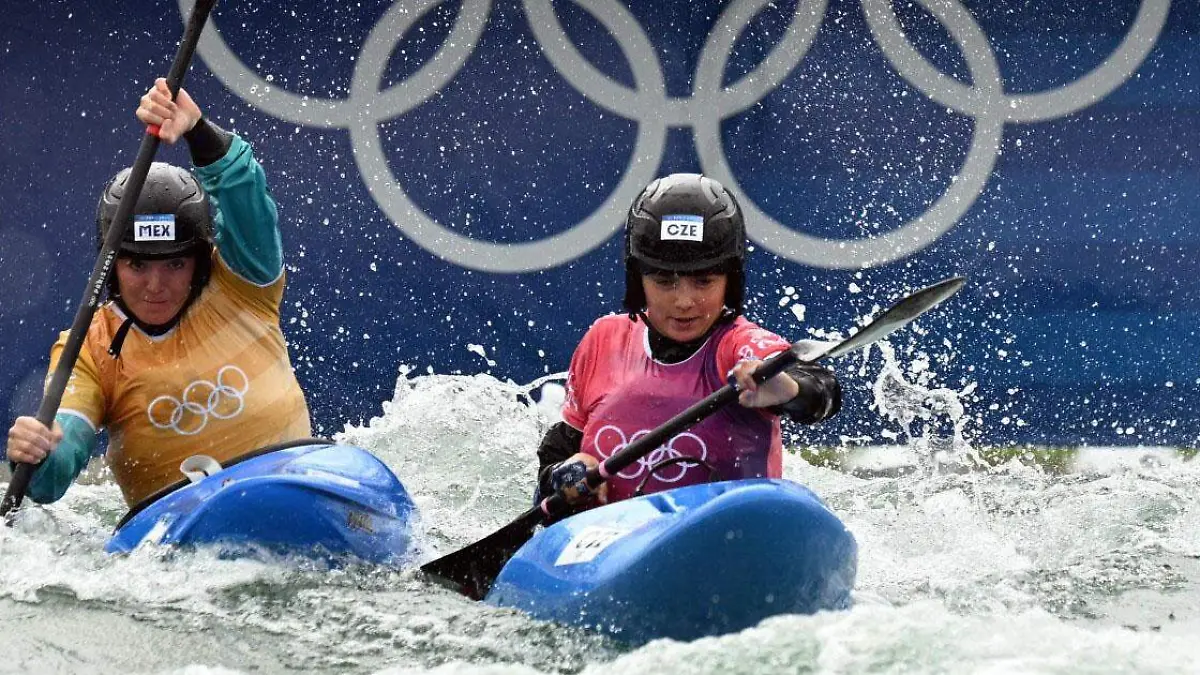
964 566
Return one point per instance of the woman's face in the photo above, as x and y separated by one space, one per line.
155 290
683 307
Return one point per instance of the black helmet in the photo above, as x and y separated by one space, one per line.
684 223
171 219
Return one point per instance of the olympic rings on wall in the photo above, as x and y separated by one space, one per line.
984 100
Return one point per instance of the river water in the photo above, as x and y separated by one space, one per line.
1010 569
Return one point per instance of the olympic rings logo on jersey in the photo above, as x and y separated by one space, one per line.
202 399
984 99
611 440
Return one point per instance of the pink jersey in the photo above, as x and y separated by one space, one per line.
617 393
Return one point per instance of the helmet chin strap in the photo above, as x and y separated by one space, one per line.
200 279
667 350
131 320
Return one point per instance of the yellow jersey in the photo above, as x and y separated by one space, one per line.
219 383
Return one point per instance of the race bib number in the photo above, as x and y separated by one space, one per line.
588 544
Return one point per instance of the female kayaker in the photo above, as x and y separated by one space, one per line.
681 337
186 357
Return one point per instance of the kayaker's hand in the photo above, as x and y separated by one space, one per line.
777 390
30 442
173 118
570 474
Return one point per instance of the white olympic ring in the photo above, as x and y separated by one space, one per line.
647 103
194 416
644 463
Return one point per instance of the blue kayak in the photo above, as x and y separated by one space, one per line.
310 498
686 563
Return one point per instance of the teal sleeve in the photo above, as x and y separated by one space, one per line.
59 470
244 214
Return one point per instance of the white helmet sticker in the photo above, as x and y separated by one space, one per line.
681 227
154 227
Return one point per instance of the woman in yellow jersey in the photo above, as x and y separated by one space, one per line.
186 357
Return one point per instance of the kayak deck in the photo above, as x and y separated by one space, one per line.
321 500
685 563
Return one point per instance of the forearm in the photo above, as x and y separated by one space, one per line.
244 213
54 475
207 142
819 396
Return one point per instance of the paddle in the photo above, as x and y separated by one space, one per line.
473 569
104 261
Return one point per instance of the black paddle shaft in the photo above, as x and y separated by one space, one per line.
52 397
558 503
472 570
897 316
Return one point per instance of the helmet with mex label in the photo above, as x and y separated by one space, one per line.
172 218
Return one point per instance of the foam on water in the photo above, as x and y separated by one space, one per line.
464 447
922 636
962 567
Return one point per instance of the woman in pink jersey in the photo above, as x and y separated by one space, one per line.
681 338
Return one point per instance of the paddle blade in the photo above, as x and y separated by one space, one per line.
899 315
472 570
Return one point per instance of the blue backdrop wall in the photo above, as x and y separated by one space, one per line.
452 178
